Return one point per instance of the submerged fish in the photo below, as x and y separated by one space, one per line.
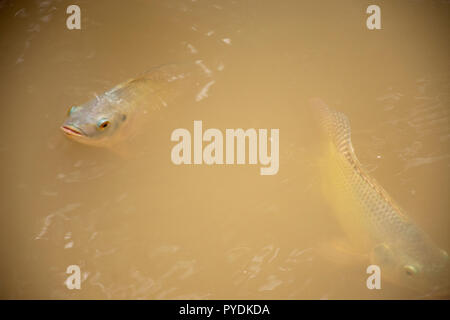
373 222
111 117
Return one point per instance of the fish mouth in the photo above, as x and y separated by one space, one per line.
71 131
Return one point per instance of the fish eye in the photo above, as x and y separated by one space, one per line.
71 110
410 270
102 124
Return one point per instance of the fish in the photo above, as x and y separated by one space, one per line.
374 224
112 117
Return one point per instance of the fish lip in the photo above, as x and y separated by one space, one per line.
72 130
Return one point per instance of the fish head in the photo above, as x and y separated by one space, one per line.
424 270
97 123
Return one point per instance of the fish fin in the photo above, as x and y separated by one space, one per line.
334 124
340 252
382 254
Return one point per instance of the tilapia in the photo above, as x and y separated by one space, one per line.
373 222
113 116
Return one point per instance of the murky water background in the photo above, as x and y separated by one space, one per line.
141 227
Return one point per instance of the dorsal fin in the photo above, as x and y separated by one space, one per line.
164 79
334 124
336 127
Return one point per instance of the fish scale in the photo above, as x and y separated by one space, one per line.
373 222
125 107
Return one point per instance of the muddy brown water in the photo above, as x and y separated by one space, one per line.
140 227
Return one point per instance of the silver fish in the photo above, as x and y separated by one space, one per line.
112 117
373 222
